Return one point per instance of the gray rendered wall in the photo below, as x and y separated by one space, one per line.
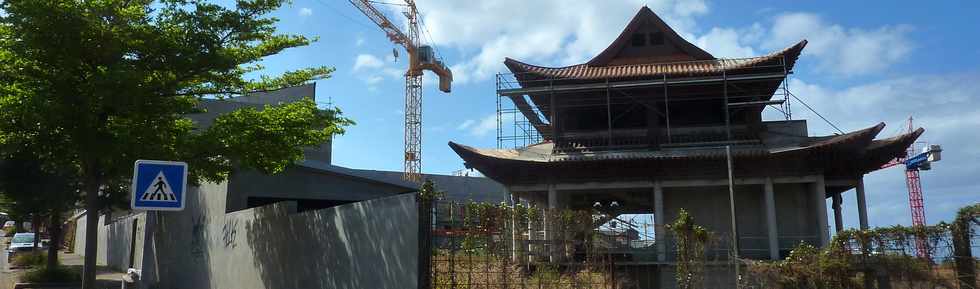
796 219
795 215
297 182
102 258
119 242
369 244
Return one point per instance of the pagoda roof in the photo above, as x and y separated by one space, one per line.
543 152
588 71
646 18
883 151
859 148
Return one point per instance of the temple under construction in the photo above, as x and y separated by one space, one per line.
651 124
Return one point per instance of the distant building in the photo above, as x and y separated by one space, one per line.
316 183
646 123
313 225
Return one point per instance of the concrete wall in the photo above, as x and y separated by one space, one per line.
796 215
298 182
796 218
120 242
102 258
369 244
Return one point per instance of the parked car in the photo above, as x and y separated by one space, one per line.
20 243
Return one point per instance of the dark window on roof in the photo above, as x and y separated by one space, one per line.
639 39
657 38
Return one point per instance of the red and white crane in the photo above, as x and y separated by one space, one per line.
914 162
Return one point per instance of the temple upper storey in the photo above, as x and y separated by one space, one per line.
648 88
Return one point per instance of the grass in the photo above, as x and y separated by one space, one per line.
59 274
30 259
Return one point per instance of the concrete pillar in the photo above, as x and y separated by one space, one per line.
513 227
770 202
838 215
659 221
549 227
862 204
820 202
552 197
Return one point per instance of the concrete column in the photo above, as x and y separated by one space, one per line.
820 202
659 221
862 204
549 234
513 227
838 216
770 201
552 197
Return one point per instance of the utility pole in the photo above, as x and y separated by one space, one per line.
731 203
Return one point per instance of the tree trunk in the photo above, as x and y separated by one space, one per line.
55 243
91 232
35 225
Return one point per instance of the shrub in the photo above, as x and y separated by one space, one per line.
30 259
59 274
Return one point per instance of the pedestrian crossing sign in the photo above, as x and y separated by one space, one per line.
159 185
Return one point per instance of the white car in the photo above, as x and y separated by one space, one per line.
20 243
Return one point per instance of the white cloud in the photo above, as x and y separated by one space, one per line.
557 33
359 41
373 70
947 106
943 100
373 79
305 12
466 124
367 61
479 127
728 42
550 32
840 50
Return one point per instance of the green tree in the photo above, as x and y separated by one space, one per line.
29 189
95 85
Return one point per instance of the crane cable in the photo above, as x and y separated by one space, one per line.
337 11
817 113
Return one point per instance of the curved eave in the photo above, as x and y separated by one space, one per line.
524 71
882 151
854 142
473 155
860 138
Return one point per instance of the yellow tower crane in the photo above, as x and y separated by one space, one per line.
420 58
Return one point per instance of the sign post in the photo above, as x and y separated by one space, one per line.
159 185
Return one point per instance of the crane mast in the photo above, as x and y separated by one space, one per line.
420 58
914 185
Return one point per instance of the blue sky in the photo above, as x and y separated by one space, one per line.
867 61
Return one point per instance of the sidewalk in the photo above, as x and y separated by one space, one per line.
105 277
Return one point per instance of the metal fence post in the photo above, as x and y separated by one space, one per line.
424 242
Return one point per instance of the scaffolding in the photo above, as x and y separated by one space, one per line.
524 116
